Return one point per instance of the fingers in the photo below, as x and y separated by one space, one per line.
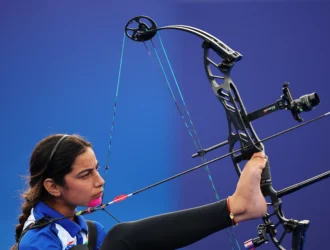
259 160
259 155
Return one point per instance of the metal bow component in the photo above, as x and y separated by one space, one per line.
241 131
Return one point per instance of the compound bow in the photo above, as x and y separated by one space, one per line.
142 28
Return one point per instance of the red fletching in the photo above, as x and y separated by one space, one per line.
120 197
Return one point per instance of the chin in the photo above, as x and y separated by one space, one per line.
95 202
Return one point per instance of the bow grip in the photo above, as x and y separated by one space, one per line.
266 177
266 181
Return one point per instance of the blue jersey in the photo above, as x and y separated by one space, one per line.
62 234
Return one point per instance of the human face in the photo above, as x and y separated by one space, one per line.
84 182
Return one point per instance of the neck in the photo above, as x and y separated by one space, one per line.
64 209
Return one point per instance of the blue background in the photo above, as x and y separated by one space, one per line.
59 68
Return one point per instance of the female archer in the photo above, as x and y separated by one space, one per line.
64 175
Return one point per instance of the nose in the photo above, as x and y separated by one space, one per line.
99 182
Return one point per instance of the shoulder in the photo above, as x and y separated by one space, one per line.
101 233
41 238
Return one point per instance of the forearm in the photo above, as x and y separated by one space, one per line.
171 230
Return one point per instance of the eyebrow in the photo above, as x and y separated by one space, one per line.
88 169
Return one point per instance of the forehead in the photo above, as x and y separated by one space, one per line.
85 160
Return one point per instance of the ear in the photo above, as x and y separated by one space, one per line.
52 188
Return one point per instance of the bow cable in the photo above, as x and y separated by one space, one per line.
113 124
191 129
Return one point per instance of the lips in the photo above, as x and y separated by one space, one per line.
98 195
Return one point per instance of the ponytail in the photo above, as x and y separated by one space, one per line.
31 197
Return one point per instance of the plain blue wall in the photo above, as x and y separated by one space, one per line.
58 74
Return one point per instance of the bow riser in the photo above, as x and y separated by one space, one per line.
240 130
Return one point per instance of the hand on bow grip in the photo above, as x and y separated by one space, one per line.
248 193
250 153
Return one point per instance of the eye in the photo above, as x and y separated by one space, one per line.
86 175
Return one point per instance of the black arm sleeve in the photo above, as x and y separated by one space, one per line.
169 231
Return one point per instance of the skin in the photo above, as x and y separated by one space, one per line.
84 184
248 201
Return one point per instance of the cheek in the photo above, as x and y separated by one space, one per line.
78 193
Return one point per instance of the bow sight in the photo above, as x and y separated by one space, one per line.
303 104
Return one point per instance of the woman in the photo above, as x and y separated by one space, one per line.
64 175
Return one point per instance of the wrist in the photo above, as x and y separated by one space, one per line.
236 208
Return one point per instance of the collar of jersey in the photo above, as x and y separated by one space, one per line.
41 210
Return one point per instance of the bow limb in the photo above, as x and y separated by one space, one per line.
147 29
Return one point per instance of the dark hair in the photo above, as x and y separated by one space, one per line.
51 158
